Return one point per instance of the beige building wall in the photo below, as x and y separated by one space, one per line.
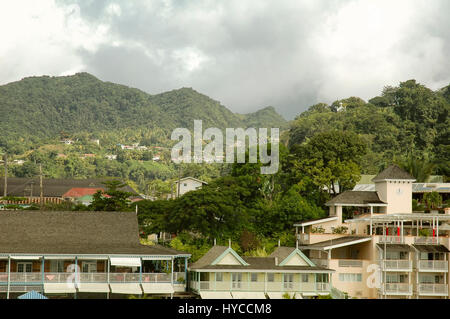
397 194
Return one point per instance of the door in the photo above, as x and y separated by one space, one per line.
89 266
236 280
288 280
24 267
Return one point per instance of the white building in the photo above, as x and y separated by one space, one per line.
378 246
187 184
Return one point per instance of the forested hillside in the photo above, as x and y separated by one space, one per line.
38 109
407 122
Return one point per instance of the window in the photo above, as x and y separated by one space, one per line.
56 265
237 279
24 267
288 280
219 276
350 277
321 278
305 277
254 277
271 277
89 266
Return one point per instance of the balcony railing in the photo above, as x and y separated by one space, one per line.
396 265
433 289
261 286
320 262
36 277
426 240
397 288
350 263
391 239
433 265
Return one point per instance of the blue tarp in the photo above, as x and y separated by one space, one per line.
32 295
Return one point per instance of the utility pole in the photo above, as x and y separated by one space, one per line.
41 199
5 190
179 180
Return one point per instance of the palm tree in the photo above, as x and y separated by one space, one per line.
432 199
420 168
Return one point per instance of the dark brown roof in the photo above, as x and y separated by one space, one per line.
52 232
393 172
357 198
282 253
24 187
256 263
431 248
210 256
402 247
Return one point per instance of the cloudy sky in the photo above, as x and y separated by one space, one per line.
245 54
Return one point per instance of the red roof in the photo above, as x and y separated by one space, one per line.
77 192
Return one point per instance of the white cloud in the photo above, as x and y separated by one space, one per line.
251 54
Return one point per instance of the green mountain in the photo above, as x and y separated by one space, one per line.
266 117
43 107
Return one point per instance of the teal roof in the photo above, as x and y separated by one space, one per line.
32 295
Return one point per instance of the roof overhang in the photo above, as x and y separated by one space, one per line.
357 205
318 221
400 217
393 180
281 270
334 246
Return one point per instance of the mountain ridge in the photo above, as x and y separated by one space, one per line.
44 106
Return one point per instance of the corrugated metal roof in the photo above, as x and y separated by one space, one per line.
431 248
32 295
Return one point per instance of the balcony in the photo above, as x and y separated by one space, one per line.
391 240
350 263
396 265
39 278
433 265
320 262
432 290
397 289
426 240
261 286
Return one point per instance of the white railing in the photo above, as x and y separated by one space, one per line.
179 277
397 288
396 264
433 289
261 286
322 286
321 262
426 240
350 263
35 277
59 276
391 239
437 265
24 277
156 277
93 277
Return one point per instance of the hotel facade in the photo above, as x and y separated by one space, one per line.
377 245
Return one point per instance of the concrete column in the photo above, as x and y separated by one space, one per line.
9 277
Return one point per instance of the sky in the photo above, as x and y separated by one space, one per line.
289 54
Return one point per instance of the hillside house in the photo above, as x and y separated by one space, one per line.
187 184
